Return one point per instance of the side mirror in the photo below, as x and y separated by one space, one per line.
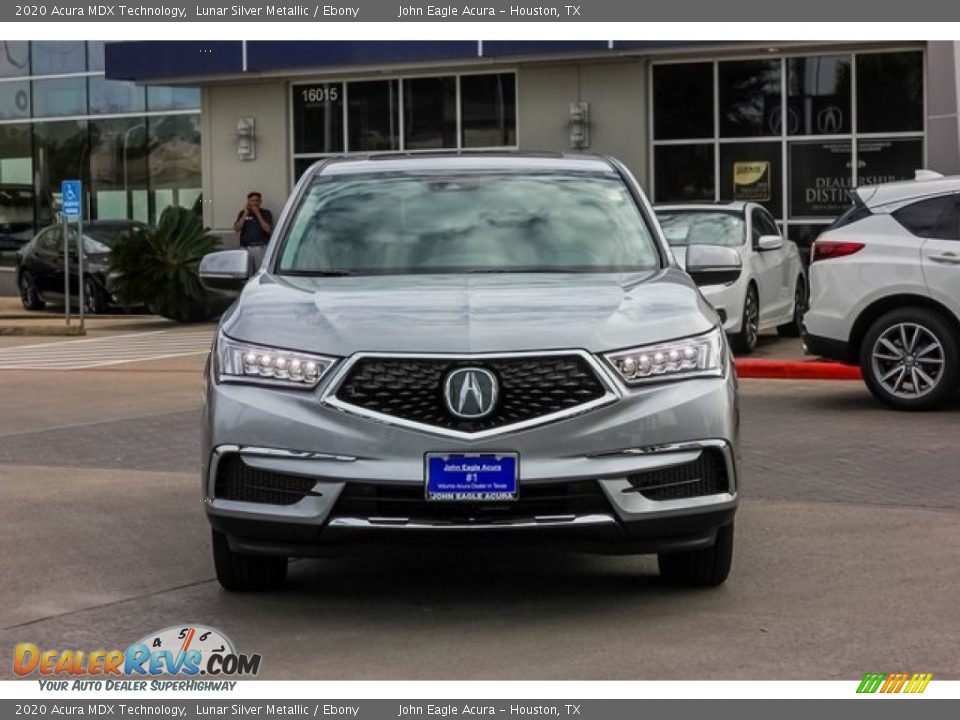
226 270
713 264
769 242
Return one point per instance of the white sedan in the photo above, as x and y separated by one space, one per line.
772 289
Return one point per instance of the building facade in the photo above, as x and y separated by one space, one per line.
136 148
792 125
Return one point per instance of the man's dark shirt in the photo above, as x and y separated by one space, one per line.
251 233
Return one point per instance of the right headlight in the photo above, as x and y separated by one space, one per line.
261 365
697 356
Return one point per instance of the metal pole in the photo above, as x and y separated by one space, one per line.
80 264
66 266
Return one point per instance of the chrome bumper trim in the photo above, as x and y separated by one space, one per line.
536 522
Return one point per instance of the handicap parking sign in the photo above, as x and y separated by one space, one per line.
71 191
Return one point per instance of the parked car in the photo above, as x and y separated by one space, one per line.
41 269
479 348
771 292
16 215
885 291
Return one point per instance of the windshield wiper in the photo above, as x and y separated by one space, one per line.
522 271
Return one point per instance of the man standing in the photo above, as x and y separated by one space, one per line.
254 225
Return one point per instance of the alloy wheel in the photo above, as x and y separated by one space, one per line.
751 319
908 360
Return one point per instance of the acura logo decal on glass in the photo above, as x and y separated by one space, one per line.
470 392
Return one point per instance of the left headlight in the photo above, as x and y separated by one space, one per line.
691 357
243 362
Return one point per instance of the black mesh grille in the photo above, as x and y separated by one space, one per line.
237 481
412 389
707 475
407 501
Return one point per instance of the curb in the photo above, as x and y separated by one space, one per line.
42 331
796 370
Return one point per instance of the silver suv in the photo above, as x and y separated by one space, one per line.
477 348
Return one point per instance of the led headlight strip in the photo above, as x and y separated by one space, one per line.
243 362
691 357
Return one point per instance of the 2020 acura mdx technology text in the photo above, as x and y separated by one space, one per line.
478 348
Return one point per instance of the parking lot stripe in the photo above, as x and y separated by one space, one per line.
101 352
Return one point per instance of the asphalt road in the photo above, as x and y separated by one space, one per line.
847 557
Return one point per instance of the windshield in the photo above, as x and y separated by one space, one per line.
701 227
402 223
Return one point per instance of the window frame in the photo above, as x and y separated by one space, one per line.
784 220
345 82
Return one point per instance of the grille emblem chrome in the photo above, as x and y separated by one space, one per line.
470 392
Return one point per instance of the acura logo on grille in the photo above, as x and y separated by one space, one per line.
470 392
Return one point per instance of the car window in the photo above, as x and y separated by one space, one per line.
931 218
701 227
763 224
49 240
414 223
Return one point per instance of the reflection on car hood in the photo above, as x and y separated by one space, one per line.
468 313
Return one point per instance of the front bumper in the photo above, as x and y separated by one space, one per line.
647 429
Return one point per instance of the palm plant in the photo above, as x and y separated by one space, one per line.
157 266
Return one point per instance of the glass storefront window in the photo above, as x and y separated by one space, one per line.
373 115
118 166
880 161
430 113
60 150
818 95
749 97
488 113
752 171
115 96
173 158
65 56
59 97
15 99
14 58
95 55
172 98
683 101
16 185
318 118
683 173
890 92
820 178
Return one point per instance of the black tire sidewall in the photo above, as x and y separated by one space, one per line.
740 340
935 323
32 301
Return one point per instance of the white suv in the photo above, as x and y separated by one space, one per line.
885 291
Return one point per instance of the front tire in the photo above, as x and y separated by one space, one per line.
246 573
744 342
700 568
29 295
910 359
795 326
94 302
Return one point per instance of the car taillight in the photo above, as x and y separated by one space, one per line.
830 249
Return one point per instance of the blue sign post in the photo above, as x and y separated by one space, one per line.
71 194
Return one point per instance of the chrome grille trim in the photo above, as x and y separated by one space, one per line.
602 373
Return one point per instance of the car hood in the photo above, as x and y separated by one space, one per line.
468 313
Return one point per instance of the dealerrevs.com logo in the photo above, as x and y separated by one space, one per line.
180 651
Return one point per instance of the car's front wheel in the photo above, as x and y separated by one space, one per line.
910 359
94 301
29 295
246 573
700 568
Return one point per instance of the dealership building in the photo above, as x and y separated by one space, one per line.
789 125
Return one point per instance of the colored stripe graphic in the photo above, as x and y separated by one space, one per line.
894 682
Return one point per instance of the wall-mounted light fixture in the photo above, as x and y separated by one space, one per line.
579 125
247 138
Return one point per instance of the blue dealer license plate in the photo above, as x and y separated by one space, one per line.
480 477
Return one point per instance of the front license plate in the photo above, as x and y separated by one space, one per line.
481 477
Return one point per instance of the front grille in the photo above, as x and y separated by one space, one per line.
707 475
238 481
412 388
367 500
